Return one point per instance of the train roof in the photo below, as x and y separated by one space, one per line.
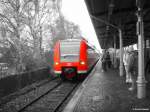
70 40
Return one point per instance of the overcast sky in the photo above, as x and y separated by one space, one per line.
76 11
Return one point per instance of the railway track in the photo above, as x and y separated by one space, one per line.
25 90
52 100
26 97
33 87
38 98
49 99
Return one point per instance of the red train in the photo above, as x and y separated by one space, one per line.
73 58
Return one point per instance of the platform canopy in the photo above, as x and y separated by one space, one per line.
120 13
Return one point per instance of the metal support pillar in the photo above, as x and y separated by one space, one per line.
114 61
141 82
121 53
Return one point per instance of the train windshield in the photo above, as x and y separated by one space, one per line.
69 51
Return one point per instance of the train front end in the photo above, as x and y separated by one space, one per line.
70 58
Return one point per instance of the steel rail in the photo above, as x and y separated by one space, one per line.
65 98
38 98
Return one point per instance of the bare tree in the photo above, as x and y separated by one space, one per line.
11 19
63 28
72 30
35 13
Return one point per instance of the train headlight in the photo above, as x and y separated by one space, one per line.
82 63
56 63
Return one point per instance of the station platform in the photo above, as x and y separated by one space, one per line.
107 92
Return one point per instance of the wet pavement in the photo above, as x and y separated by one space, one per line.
108 92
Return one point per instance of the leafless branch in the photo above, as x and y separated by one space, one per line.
8 21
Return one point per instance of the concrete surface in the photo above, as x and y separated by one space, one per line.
107 92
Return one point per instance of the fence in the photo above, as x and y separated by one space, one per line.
3 69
